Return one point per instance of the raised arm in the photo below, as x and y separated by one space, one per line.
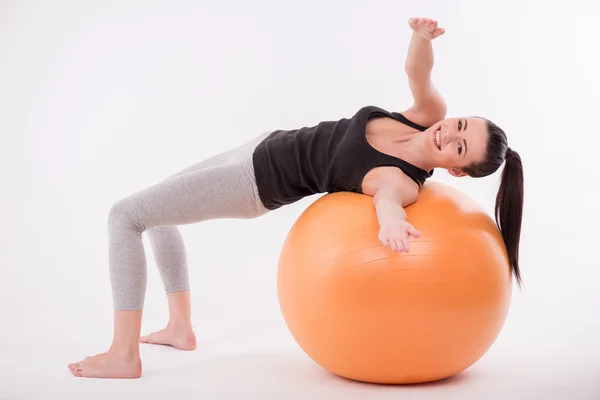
428 106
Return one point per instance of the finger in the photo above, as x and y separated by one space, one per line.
400 245
393 245
406 244
439 32
413 232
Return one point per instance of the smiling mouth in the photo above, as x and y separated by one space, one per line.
437 138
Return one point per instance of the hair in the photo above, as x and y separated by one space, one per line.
509 200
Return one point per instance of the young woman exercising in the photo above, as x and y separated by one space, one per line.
383 154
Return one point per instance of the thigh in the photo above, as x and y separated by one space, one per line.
226 191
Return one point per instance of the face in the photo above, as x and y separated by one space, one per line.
455 143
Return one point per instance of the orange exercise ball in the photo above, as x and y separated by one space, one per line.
366 313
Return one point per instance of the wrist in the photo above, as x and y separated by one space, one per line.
419 37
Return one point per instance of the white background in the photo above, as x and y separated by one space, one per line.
100 99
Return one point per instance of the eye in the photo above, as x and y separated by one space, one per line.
459 148
459 125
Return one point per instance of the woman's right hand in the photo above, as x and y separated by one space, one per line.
395 235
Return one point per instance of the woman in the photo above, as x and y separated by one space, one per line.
382 154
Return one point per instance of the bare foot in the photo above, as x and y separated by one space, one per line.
108 365
180 338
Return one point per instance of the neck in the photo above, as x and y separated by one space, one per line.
414 150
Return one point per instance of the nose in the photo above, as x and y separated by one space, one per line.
450 135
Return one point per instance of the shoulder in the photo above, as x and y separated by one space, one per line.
429 105
390 181
425 118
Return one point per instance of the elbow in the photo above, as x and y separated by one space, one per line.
385 197
395 196
394 189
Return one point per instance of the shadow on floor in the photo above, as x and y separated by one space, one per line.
287 376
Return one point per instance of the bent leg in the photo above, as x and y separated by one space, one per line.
166 241
170 254
220 192
227 191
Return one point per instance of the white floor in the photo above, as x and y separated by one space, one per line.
538 355
278 375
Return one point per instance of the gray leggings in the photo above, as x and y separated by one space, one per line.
223 186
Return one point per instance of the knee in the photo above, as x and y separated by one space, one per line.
162 233
122 215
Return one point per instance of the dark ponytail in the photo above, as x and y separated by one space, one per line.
509 200
509 208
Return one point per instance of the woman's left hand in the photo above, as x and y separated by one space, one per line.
426 28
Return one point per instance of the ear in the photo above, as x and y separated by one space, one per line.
456 172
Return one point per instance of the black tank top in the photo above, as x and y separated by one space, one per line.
330 157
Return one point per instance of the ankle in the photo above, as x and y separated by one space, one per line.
179 324
127 351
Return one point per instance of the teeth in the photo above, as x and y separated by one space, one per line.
437 138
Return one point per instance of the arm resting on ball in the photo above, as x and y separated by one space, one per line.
390 201
392 190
